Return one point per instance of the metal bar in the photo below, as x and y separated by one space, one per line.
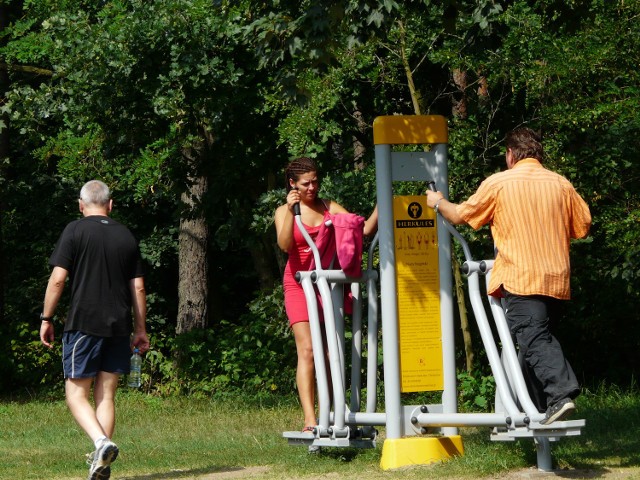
356 347
388 292
372 347
511 359
502 384
462 420
335 362
440 174
324 402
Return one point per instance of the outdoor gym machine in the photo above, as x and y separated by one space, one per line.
416 309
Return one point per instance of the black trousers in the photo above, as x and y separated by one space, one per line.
549 376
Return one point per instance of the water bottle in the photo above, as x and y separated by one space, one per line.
136 369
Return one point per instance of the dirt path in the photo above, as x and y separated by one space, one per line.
526 474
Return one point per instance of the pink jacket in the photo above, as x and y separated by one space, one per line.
342 237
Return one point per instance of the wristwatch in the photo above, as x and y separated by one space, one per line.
45 319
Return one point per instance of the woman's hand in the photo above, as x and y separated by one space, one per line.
293 197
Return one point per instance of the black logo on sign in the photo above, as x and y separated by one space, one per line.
414 210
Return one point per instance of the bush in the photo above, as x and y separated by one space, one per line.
256 354
476 392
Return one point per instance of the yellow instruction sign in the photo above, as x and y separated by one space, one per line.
418 287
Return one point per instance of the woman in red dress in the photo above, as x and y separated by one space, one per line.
302 188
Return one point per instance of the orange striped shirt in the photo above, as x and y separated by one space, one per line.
533 213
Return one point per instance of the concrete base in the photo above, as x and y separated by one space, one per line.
401 452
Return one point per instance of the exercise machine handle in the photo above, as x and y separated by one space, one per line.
296 206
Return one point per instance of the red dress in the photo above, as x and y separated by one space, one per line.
300 260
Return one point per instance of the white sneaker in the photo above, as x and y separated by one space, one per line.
100 468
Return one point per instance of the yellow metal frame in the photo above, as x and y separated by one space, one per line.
410 129
400 452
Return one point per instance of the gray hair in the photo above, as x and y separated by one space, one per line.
95 192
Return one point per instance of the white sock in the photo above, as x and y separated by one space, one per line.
99 441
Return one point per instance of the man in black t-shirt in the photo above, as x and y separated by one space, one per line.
102 260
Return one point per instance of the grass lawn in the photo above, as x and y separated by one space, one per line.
163 438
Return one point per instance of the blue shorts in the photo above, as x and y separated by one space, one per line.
83 356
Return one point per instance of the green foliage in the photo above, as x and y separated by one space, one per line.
476 392
121 90
263 222
250 354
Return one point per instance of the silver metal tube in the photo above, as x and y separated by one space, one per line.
390 336
372 332
337 301
543 453
338 276
335 361
368 419
461 420
356 347
511 360
372 346
449 395
502 384
324 402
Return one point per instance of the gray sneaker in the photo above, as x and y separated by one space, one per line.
101 459
558 411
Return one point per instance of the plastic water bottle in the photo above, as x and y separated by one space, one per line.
136 369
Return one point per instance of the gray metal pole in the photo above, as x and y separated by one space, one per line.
324 402
356 348
388 302
449 395
335 360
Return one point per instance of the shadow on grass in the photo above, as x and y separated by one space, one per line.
345 455
612 433
608 440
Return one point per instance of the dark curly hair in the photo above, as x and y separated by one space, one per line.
297 167
524 143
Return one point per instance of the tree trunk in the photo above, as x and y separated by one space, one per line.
460 103
415 95
462 308
262 256
460 110
193 261
483 90
4 153
464 319
262 251
359 149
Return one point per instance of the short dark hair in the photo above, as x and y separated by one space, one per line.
297 167
524 143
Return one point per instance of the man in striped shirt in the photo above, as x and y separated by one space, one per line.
533 214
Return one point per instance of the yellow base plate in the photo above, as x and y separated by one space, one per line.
400 452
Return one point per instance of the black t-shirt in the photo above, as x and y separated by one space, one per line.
101 256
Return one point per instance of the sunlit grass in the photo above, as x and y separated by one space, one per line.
183 438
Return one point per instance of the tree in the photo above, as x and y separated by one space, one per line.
162 78
190 109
